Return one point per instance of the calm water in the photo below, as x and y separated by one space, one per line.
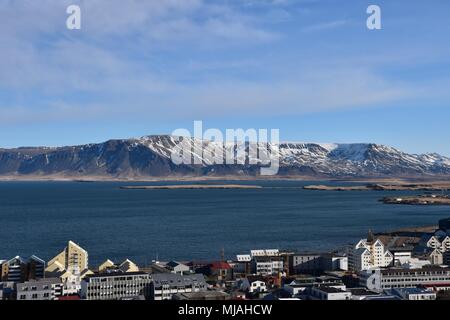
39 218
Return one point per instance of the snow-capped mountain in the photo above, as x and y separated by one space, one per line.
151 157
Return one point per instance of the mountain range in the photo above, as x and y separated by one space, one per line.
150 157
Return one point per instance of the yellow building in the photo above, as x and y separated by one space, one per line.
73 257
108 264
128 266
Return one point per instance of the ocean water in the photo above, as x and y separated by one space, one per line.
40 217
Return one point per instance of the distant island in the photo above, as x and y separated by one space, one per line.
193 186
433 200
438 186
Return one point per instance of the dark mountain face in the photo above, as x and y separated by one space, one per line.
151 157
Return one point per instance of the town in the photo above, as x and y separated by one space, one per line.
412 264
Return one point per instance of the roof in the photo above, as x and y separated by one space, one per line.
177 279
116 274
328 289
255 278
42 281
362 292
174 264
411 290
413 271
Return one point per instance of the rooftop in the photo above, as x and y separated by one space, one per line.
328 289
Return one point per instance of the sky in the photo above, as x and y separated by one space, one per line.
310 68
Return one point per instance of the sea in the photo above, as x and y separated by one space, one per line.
193 224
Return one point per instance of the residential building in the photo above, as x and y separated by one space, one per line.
220 269
108 264
253 285
414 294
165 285
433 278
177 267
306 263
128 266
72 255
368 254
363 294
115 286
267 265
329 293
42 289
19 269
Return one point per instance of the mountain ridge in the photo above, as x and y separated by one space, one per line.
149 157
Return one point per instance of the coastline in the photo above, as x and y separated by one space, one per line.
368 180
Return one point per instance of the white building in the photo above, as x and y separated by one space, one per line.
414 294
42 289
330 293
165 285
177 267
115 286
368 254
253 284
266 266
435 279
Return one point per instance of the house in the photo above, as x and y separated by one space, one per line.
253 285
128 266
108 264
177 267
42 289
219 270
369 253
329 293
165 285
363 294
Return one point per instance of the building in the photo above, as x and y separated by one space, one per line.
42 289
267 265
177 267
128 266
306 263
72 256
414 294
165 285
253 285
329 293
368 254
432 278
106 265
116 286
19 269
363 294
220 269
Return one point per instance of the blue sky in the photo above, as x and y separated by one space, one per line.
310 68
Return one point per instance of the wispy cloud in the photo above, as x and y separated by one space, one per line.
326 25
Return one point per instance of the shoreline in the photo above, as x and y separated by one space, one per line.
382 180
